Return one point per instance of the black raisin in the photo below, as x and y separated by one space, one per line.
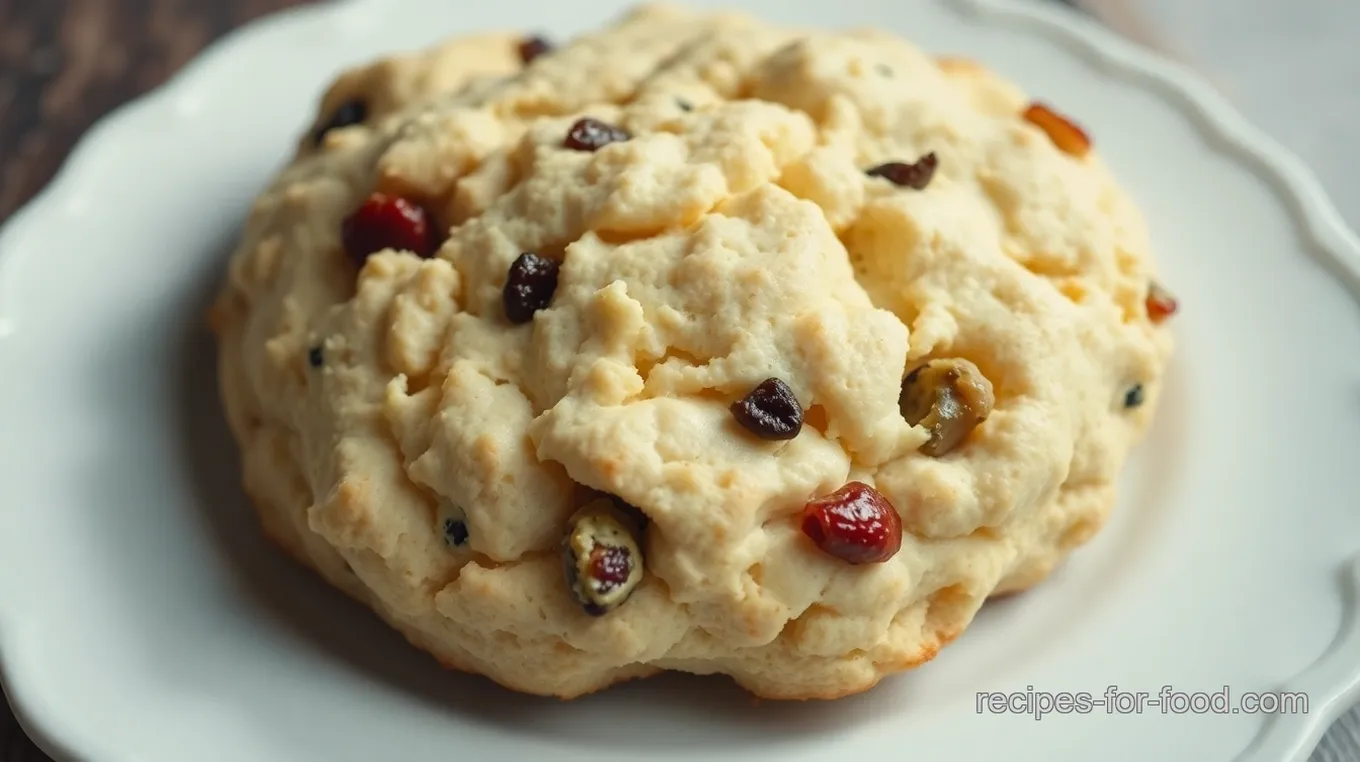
770 411
315 356
533 47
530 286
684 105
455 532
350 113
591 135
916 175
1134 397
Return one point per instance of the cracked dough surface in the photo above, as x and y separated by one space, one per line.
734 238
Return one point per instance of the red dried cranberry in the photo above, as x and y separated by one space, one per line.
856 524
916 175
770 411
1065 134
387 222
533 47
610 566
529 286
591 135
347 114
1160 303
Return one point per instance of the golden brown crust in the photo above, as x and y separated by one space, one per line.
736 236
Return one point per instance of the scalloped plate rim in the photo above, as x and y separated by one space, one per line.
1173 83
1334 243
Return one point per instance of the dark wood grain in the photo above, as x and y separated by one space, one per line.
64 64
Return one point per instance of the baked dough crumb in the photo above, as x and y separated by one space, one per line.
680 269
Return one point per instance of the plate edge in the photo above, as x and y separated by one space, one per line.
1296 184
52 736
1304 195
1333 243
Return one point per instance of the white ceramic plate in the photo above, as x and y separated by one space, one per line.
143 618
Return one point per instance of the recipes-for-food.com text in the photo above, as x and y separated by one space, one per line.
1115 700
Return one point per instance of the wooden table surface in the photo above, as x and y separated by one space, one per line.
64 64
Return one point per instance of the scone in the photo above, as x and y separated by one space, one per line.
694 344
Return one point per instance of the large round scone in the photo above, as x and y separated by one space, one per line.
561 360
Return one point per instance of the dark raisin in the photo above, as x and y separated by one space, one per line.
350 113
601 557
387 222
1134 397
856 524
452 523
1160 303
684 105
916 175
591 135
455 532
530 286
533 47
316 356
770 411
949 398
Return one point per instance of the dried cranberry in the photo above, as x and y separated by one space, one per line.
1064 133
530 286
609 566
349 113
856 524
533 47
915 175
1160 303
591 135
388 222
770 411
